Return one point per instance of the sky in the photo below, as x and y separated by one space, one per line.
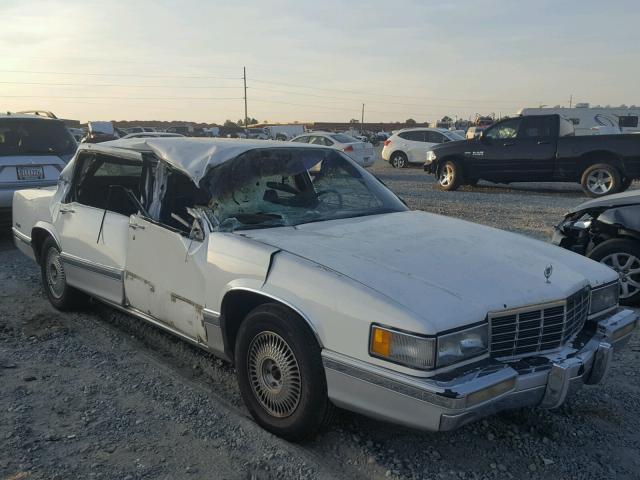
314 61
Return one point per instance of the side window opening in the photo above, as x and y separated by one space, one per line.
95 177
180 194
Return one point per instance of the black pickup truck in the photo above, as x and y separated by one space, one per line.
538 148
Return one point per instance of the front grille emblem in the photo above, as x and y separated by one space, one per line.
547 272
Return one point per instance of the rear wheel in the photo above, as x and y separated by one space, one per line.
450 176
601 179
398 160
623 256
54 280
280 373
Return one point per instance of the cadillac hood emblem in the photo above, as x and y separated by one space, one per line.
547 272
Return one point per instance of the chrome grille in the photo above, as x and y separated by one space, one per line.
537 328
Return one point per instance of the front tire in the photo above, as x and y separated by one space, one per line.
623 256
54 280
600 179
398 160
280 373
450 176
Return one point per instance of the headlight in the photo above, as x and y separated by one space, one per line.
403 348
431 156
603 298
462 345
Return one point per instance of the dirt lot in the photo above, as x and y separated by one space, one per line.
100 395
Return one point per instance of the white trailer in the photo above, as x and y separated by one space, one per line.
598 120
284 131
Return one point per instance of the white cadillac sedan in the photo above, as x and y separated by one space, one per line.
319 284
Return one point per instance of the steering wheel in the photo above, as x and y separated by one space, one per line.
332 198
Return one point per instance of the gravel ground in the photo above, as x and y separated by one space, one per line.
97 394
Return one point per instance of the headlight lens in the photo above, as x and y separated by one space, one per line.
402 348
458 346
431 156
603 298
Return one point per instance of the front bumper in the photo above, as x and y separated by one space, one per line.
449 400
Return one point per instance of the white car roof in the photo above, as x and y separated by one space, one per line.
192 156
152 135
30 116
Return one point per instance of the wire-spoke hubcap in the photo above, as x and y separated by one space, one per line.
54 270
446 176
274 374
628 268
599 182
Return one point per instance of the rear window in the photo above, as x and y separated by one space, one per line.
35 137
628 121
566 128
342 138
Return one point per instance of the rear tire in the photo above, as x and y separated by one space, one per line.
623 256
54 281
280 373
450 176
398 160
600 179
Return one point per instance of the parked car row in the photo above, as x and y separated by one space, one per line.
263 239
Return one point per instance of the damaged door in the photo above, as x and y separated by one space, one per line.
164 276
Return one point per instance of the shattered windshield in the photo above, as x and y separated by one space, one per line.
291 186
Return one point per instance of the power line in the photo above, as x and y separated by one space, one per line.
119 98
116 85
141 75
359 92
369 100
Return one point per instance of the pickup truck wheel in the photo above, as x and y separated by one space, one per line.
280 373
398 160
601 179
60 294
449 176
624 257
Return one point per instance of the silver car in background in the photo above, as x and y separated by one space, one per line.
33 151
359 151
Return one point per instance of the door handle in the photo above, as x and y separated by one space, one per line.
135 226
64 210
508 144
543 142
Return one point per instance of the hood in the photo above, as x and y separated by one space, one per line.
446 271
631 197
454 145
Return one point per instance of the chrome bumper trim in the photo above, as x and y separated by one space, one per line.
447 401
18 235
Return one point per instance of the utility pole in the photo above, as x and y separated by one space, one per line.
362 120
246 117
570 100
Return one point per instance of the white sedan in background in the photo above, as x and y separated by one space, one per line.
361 152
412 144
153 135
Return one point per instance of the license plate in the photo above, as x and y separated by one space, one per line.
30 173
